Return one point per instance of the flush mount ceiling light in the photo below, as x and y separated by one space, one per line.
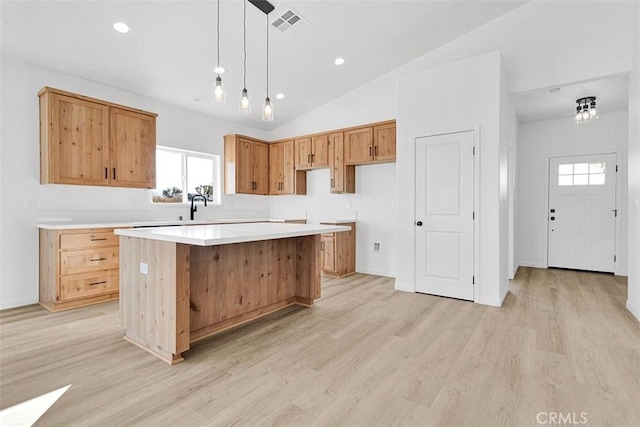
219 96
339 61
586 110
121 27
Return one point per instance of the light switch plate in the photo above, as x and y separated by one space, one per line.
144 268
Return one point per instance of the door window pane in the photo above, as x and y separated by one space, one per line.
565 169
580 168
580 179
565 180
596 167
581 173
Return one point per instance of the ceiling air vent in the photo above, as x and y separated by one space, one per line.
289 23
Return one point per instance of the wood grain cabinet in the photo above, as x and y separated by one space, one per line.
78 267
373 144
312 152
86 141
343 177
246 165
339 251
283 177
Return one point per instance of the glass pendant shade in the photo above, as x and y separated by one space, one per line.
585 114
245 102
578 115
219 96
267 110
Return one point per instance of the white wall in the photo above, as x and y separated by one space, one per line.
373 205
552 138
512 176
633 302
176 127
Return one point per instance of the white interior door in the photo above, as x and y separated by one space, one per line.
582 212
444 215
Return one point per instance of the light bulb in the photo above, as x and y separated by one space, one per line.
585 114
219 96
245 102
267 110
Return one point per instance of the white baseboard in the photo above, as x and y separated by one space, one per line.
404 287
531 264
494 302
6 304
374 273
634 309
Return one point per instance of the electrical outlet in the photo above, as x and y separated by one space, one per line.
144 268
30 203
349 205
376 246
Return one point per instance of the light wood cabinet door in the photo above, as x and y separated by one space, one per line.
276 168
133 149
384 142
320 151
260 168
288 185
303 152
328 254
343 177
77 150
244 166
358 145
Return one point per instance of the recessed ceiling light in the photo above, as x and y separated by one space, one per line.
121 27
339 61
280 96
219 70
554 90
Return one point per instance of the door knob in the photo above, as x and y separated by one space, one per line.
419 223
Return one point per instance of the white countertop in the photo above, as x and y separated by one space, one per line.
338 221
223 234
69 225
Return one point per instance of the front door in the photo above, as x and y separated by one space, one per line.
582 212
444 215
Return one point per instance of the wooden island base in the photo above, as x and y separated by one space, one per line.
173 294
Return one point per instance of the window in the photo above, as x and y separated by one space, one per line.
581 174
180 174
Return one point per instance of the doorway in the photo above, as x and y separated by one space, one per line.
444 216
582 212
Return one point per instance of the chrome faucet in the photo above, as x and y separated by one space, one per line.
194 208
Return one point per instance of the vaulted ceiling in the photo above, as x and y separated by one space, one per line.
170 52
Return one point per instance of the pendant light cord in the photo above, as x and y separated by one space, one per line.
218 43
267 17
244 23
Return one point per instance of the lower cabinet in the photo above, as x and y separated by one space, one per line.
339 251
78 267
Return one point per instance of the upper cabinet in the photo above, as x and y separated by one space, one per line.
371 144
343 177
85 141
312 152
283 177
246 165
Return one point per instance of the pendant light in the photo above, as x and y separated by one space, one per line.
219 97
267 107
586 110
245 101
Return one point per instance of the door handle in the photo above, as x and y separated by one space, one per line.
552 218
419 223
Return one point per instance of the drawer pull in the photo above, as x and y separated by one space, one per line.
95 240
97 283
99 259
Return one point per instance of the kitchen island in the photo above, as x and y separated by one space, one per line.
182 284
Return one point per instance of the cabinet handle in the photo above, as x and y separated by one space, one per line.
106 173
308 158
375 151
95 240
98 259
369 151
322 246
97 283
114 173
333 182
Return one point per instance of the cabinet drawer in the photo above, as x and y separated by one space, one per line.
88 240
86 285
72 262
325 236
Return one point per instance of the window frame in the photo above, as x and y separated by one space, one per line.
216 199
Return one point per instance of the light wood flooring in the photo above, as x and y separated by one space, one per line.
365 355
